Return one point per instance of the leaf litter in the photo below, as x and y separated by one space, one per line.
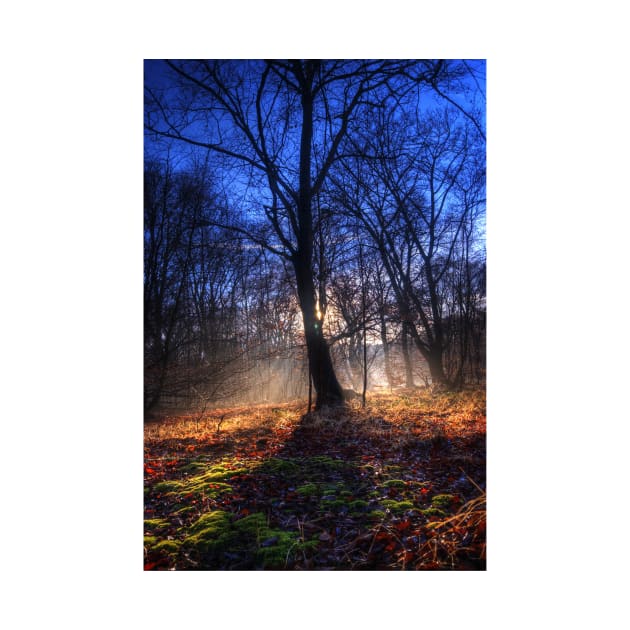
398 485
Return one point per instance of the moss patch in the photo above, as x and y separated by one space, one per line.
396 506
323 462
250 541
211 522
167 486
211 482
332 504
185 510
195 467
210 532
156 524
433 511
307 490
277 466
167 546
442 500
395 483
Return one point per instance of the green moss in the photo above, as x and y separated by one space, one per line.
207 487
216 474
376 515
211 532
168 486
149 541
308 545
211 522
333 488
154 524
276 550
249 537
167 546
391 468
253 524
195 467
357 504
395 483
442 500
307 490
277 466
185 510
323 461
211 482
396 506
433 511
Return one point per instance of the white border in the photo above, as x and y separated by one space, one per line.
72 264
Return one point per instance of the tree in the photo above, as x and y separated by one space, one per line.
282 125
414 200
193 274
172 203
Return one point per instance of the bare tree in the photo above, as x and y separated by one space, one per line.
413 200
282 125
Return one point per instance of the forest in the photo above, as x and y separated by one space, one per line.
314 315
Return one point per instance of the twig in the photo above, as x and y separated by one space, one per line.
471 481
220 422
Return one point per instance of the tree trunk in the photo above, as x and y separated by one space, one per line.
436 368
325 381
327 387
386 357
407 356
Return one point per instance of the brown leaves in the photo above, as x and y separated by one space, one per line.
398 485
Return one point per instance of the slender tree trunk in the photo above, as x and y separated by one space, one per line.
436 368
365 369
407 356
310 390
386 357
364 314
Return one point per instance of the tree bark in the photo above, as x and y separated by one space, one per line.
406 356
386 357
329 391
327 387
436 368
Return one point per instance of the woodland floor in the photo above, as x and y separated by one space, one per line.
397 485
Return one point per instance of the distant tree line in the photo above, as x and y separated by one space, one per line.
327 227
